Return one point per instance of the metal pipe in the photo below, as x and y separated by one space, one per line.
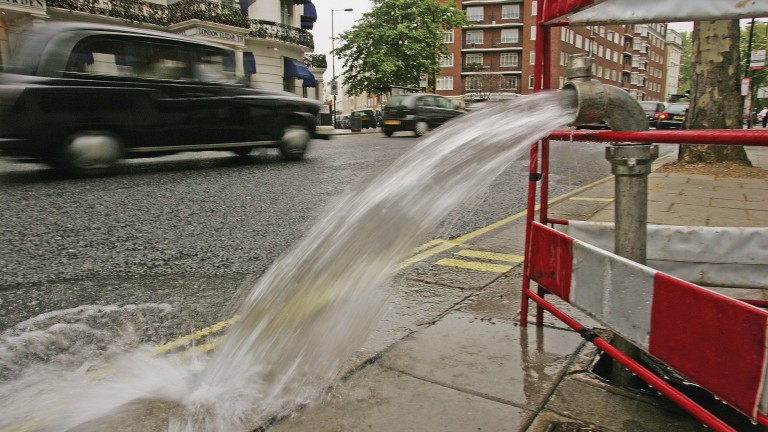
630 164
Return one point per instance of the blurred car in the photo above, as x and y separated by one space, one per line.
367 117
653 110
104 93
417 112
673 116
600 125
342 122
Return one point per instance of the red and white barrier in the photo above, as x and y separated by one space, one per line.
713 340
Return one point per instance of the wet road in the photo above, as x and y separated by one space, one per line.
192 230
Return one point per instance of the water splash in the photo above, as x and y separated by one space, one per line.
316 305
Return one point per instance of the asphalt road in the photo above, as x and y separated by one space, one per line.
189 232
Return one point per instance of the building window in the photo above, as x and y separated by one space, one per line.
531 81
475 13
532 59
578 41
533 33
534 7
473 83
475 37
444 83
474 59
510 11
509 59
510 35
448 36
286 12
446 60
509 82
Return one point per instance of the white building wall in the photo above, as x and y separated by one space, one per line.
674 53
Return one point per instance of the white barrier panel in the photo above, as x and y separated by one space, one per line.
714 341
709 256
627 11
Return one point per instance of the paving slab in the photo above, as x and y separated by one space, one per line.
379 399
496 359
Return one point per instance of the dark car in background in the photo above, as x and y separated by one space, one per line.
417 112
342 122
653 110
673 116
367 117
80 97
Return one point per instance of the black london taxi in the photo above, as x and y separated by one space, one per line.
80 97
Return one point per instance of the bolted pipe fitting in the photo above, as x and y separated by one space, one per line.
631 160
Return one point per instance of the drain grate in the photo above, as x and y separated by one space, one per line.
572 427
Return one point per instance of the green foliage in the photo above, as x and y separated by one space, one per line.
315 61
395 42
759 77
684 82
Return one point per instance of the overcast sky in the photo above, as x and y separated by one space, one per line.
342 21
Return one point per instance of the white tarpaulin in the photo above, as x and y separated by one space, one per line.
646 11
709 256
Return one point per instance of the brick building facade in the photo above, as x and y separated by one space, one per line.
493 57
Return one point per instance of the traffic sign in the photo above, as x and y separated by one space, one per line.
334 88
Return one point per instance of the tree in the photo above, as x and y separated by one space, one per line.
759 77
489 82
395 42
716 101
684 81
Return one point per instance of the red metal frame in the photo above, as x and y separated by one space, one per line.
549 14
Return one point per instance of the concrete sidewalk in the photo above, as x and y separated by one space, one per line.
471 367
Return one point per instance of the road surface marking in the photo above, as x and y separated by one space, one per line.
495 256
474 265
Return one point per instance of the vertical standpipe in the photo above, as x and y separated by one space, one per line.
630 165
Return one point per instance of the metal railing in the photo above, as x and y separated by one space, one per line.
185 10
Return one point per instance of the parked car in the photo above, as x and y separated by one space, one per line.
600 125
342 122
417 112
368 118
81 96
674 116
653 110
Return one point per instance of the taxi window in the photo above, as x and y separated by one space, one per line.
97 55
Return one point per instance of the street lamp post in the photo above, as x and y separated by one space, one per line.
333 63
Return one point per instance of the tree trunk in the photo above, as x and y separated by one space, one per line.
716 101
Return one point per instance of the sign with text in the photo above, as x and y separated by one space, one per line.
757 59
744 86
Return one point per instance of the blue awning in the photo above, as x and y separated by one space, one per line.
309 16
297 69
249 63
245 4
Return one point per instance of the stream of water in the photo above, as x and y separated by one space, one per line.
311 310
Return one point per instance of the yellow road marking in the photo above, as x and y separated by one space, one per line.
474 265
490 255
196 335
591 199
441 246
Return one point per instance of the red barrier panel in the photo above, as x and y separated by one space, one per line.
699 333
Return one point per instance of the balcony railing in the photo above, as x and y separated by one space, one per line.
264 29
185 10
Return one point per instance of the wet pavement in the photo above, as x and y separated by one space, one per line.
471 367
